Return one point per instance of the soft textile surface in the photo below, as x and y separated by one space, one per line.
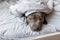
12 26
34 6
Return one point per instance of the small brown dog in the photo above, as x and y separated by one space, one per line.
35 20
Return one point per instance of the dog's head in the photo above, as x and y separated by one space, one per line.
35 20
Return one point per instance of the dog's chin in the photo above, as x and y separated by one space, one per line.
37 29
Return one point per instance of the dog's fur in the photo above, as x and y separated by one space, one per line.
36 20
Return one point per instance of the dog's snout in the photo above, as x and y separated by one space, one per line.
37 29
38 22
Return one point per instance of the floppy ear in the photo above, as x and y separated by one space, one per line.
44 15
45 20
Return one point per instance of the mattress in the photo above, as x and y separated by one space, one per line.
14 27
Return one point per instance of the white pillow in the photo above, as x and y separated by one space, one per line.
42 6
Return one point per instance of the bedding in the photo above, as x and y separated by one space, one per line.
12 26
34 6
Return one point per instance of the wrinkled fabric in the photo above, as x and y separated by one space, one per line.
34 6
15 27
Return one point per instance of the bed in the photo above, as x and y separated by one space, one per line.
14 28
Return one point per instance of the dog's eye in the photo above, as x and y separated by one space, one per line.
30 18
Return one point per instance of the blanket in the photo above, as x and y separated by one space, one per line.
15 27
31 6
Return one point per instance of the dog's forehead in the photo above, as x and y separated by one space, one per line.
34 15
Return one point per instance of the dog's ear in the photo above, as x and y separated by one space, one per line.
44 15
45 20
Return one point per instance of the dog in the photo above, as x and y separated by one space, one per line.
36 20
34 12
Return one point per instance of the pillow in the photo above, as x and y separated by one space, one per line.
26 5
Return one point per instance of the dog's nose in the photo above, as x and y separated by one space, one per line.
37 29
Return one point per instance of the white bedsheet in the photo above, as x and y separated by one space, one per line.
12 26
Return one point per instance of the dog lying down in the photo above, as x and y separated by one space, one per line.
34 12
15 27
